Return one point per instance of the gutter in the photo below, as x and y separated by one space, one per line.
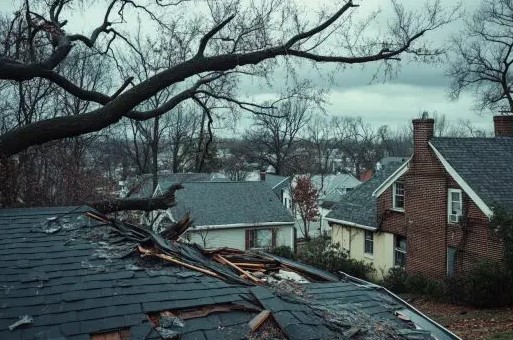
351 224
364 283
240 225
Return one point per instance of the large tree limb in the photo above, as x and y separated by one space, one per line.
161 202
69 126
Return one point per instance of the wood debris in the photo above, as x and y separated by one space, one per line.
258 320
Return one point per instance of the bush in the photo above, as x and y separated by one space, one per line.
487 284
395 280
321 253
283 251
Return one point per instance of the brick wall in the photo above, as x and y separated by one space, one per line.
424 220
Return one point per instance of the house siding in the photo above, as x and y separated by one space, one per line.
351 240
424 220
236 237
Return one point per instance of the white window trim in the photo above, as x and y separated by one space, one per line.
450 191
393 197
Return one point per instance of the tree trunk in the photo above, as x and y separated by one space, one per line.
161 202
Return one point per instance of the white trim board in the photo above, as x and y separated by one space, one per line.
351 224
392 178
241 225
461 182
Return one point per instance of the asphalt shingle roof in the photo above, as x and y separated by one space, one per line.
485 164
221 203
75 277
73 283
333 185
359 206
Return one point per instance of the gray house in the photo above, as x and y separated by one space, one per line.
241 215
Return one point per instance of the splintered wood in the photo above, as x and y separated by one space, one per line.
173 260
258 320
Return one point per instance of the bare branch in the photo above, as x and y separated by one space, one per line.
204 40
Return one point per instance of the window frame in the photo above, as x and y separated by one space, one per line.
252 238
450 191
395 195
397 250
368 241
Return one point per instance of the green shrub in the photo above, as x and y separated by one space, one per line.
321 253
487 284
395 280
283 251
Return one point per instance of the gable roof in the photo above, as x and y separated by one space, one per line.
333 185
358 207
73 276
483 167
230 203
274 180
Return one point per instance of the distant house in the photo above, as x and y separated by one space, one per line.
331 188
241 215
432 213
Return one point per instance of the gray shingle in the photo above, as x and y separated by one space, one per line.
485 164
75 303
221 203
359 206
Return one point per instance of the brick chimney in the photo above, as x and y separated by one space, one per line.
503 126
423 130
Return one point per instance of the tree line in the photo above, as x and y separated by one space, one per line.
76 105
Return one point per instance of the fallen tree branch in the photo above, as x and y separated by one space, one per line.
161 202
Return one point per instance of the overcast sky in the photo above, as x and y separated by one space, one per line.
417 87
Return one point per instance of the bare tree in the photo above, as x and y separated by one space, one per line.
275 137
182 137
358 142
233 39
482 56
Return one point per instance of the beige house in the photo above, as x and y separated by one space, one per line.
354 226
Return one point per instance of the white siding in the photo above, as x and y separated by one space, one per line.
236 237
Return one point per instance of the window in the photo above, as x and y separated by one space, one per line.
369 242
454 206
400 251
260 238
451 261
398 195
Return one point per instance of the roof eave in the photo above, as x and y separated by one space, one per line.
240 225
351 224
392 178
461 182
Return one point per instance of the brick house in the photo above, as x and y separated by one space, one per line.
435 207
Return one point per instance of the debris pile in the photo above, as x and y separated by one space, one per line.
228 264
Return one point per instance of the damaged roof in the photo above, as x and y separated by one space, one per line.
227 203
66 275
